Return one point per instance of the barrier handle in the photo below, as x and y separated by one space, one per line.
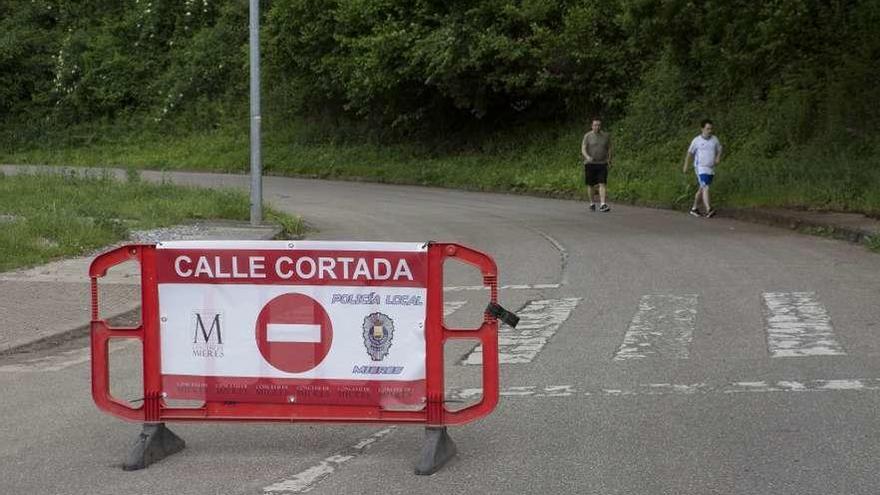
100 338
105 261
487 334
102 333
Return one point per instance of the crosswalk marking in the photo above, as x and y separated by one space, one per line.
741 387
798 325
538 322
663 326
503 287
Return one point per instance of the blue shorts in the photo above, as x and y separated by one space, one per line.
705 180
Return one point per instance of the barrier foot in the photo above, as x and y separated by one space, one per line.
438 449
155 443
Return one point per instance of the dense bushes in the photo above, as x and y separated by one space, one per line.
417 64
28 36
786 72
778 75
79 61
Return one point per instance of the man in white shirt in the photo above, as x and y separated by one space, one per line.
705 150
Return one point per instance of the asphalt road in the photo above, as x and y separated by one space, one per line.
675 355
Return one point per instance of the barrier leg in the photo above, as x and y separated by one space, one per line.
438 449
155 443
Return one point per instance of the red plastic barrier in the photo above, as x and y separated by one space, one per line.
155 409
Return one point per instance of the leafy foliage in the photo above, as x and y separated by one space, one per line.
85 60
28 39
782 78
423 63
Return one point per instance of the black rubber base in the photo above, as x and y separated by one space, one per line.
438 449
155 443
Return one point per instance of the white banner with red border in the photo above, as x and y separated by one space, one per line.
310 322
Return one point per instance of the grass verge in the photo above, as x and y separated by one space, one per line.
49 216
543 161
873 243
540 160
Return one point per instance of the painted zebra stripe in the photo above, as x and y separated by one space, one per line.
663 326
538 322
798 325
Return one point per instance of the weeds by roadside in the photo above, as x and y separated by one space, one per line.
49 216
873 243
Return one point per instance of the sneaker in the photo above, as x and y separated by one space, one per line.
710 213
592 206
604 208
694 212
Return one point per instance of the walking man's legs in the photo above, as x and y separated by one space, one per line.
597 175
697 198
702 193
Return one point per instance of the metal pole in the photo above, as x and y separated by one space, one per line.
256 164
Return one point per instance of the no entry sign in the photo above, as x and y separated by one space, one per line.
294 333
305 322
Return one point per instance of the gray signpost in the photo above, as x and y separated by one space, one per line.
256 164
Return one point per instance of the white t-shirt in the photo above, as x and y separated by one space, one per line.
705 151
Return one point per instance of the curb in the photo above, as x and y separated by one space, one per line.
203 230
850 227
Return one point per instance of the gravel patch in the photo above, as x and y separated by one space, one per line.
176 233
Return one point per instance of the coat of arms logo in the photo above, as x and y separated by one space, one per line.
378 333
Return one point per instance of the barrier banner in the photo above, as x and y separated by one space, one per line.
305 322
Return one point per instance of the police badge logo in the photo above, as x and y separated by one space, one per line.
378 333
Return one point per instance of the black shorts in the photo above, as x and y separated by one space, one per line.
596 173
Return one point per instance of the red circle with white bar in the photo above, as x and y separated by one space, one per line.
294 333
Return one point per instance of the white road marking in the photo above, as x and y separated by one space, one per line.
503 287
663 326
545 286
538 322
798 325
563 275
306 480
744 387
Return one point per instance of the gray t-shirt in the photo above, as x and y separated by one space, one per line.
598 145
